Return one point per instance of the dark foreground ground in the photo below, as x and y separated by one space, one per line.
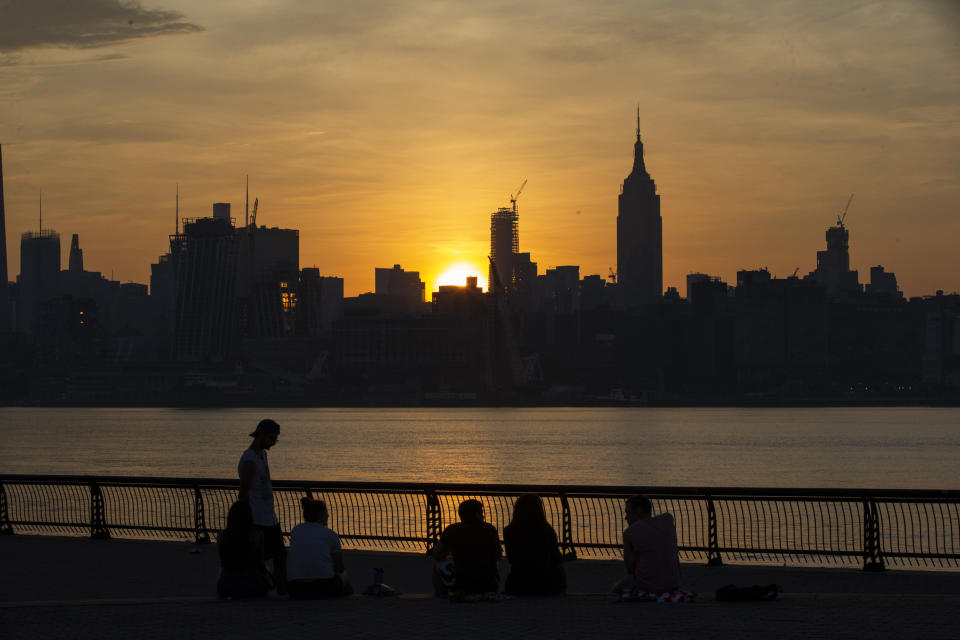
79 588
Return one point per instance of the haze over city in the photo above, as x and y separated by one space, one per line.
387 134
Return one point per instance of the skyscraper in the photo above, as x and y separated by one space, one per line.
504 247
4 293
76 255
39 275
205 266
639 235
833 265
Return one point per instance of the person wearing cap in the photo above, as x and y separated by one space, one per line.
257 489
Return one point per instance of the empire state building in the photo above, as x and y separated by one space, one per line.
639 235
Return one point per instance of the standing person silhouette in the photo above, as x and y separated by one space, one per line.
257 489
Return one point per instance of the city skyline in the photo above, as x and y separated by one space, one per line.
756 134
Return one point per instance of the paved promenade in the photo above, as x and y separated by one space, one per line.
79 588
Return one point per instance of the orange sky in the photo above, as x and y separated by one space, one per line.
387 132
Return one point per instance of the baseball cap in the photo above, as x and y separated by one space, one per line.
266 426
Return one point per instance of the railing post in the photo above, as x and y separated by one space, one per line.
566 546
6 529
713 540
872 552
98 514
200 534
434 520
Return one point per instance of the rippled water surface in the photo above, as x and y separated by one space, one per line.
815 447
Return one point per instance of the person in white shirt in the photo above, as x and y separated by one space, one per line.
315 562
257 489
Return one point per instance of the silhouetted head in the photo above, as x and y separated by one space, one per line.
471 511
638 507
240 516
528 513
266 433
314 510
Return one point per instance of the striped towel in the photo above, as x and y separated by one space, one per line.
657 596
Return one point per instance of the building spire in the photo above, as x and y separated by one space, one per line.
638 121
176 220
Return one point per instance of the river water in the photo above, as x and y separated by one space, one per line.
885 448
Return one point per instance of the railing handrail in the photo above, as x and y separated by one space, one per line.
506 488
906 526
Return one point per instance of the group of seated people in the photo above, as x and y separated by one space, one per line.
466 557
314 562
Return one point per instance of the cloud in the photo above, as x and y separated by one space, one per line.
82 24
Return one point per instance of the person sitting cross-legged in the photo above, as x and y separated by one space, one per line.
315 560
474 546
649 550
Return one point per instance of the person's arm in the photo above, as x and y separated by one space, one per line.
629 554
508 543
336 559
247 470
440 551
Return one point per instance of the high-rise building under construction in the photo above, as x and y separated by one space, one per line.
504 247
639 235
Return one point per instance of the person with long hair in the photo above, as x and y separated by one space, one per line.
536 564
242 574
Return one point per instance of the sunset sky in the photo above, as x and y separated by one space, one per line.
387 132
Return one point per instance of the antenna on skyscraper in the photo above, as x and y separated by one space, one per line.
176 219
246 207
41 211
638 121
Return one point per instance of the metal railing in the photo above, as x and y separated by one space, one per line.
854 527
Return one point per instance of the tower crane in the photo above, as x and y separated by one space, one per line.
513 198
843 216
612 277
253 216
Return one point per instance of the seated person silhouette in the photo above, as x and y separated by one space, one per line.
649 550
474 547
536 564
242 573
315 560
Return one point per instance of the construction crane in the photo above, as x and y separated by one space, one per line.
513 198
843 216
253 216
612 277
795 272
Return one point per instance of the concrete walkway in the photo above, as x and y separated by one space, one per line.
80 588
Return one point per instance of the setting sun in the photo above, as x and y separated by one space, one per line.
458 272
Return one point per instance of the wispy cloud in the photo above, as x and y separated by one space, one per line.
82 24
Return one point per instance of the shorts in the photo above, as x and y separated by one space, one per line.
272 542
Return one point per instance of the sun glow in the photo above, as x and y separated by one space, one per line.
458 272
